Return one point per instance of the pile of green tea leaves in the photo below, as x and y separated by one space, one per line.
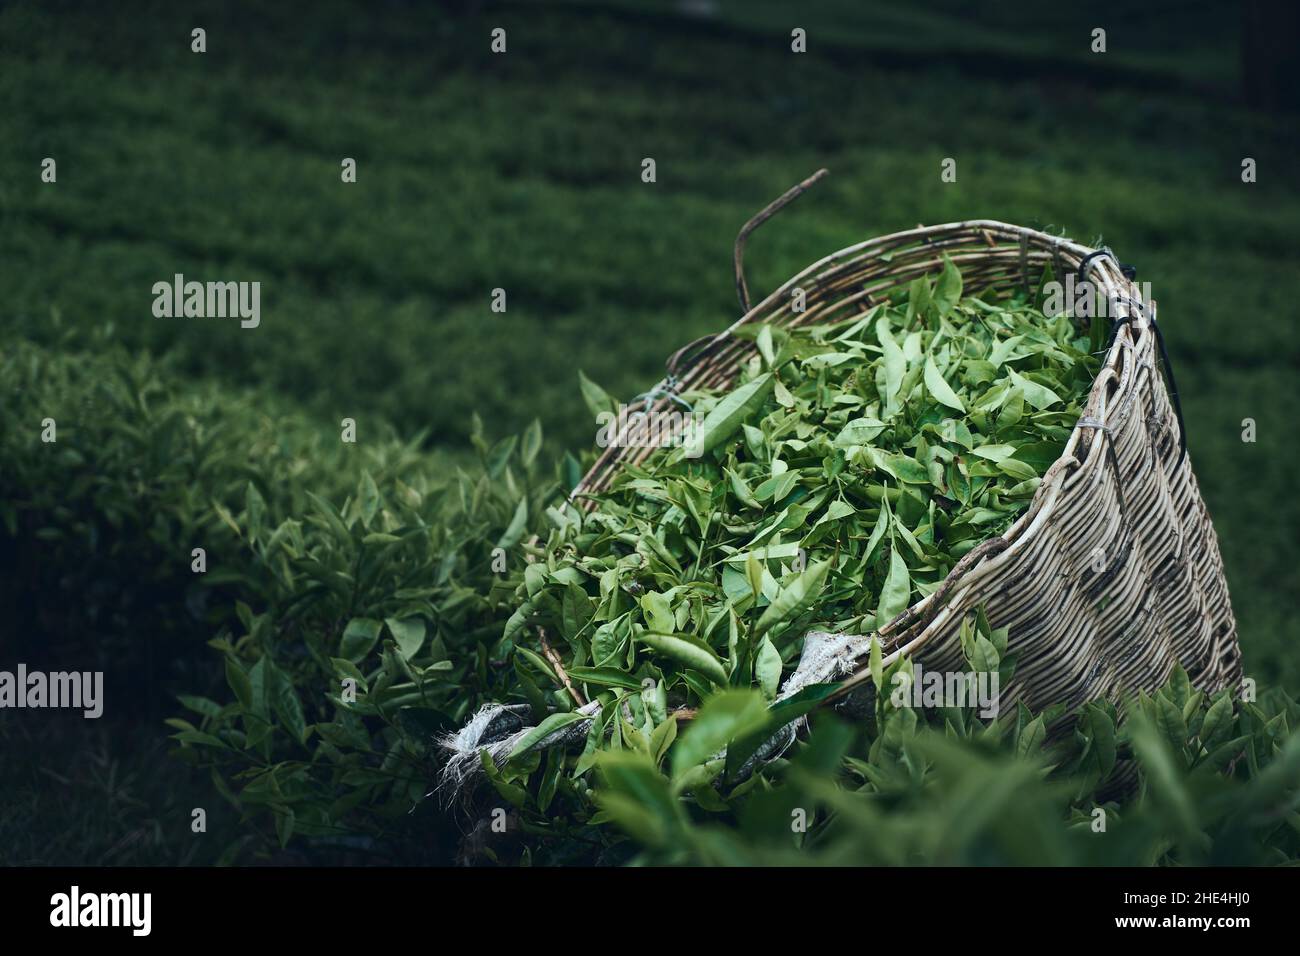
841 478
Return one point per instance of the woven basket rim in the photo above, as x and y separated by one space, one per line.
921 250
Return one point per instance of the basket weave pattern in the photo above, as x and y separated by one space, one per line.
1122 485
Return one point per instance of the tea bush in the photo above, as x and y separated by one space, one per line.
1212 786
311 544
98 526
392 588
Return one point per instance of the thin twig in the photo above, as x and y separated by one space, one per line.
768 211
554 658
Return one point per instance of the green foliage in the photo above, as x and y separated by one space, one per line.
1223 787
375 313
325 560
143 470
367 627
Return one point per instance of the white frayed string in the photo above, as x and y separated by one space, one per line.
496 729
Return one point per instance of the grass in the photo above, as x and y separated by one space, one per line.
522 172
102 803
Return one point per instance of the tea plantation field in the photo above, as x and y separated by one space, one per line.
522 172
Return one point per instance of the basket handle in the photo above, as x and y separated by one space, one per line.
766 213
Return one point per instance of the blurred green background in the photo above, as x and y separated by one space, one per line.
522 171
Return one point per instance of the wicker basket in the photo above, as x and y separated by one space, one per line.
1123 485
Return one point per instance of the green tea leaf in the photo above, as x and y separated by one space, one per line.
723 717
518 524
358 638
596 398
408 633
794 597
860 431
896 594
726 416
895 364
940 389
767 668
1039 396
688 651
543 730
947 290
